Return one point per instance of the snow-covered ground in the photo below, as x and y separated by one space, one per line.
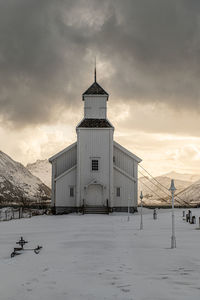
101 257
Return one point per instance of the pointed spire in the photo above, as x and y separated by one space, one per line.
95 71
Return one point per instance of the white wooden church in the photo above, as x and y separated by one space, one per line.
94 174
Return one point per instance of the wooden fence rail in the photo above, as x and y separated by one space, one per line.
10 213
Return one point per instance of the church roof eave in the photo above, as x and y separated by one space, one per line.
136 158
61 152
66 172
124 173
94 123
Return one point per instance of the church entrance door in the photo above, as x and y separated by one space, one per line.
94 195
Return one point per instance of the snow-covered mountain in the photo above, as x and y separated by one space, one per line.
185 177
41 169
17 183
155 193
187 185
191 194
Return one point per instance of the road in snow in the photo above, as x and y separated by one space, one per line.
101 257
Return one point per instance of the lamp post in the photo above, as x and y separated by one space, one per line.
173 238
141 221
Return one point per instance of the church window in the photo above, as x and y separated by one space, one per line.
71 191
118 191
95 164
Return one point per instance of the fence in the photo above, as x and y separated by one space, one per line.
10 213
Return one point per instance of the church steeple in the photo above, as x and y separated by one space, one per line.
95 98
95 88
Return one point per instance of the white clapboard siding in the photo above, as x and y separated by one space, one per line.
123 161
127 189
95 107
63 184
95 143
66 160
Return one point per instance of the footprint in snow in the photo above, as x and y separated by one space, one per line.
115 278
125 290
45 269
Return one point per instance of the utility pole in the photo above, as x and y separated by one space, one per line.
173 238
141 220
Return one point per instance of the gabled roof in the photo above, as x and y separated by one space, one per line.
62 152
124 173
66 172
95 89
117 145
94 123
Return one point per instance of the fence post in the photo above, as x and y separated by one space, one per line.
107 206
83 206
20 213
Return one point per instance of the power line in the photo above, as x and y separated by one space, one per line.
155 184
153 177
152 191
161 185
159 188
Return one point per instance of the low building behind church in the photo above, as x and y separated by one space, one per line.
94 173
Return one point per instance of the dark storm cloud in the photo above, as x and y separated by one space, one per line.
47 47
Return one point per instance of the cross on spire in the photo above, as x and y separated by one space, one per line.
95 71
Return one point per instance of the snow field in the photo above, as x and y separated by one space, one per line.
101 257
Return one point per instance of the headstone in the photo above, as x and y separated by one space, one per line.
190 214
193 220
154 214
187 217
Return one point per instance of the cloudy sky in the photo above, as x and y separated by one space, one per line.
148 60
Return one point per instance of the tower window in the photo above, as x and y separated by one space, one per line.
71 191
95 164
118 191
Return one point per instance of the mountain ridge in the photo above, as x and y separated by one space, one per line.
17 183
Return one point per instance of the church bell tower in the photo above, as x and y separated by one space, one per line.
95 150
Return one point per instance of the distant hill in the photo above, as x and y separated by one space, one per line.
156 194
185 177
41 169
17 183
191 194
